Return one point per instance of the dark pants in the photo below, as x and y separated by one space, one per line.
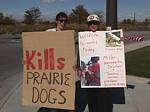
99 100
44 109
81 98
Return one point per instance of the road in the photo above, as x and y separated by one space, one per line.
10 64
11 58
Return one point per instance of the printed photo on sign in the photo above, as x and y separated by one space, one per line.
113 39
90 71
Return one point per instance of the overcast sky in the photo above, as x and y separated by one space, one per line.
49 8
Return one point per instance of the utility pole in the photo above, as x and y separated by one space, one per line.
111 14
134 18
116 94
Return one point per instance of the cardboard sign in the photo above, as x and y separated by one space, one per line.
102 59
48 75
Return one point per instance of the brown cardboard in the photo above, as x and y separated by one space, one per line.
48 75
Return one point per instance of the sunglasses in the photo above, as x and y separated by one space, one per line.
93 23
62 20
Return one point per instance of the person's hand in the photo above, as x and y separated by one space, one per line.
123 39
80 72
74 67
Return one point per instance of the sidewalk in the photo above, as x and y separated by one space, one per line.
14 103
137 98
136 93
131 47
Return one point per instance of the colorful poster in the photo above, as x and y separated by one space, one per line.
48 74
102 59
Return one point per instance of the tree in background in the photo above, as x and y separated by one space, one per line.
6 20
129 21
78 15
32 15
1 17
147 21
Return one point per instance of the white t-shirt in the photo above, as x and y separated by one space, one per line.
53 29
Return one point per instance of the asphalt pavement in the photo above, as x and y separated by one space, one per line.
136 93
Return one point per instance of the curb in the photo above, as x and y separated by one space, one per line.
135 46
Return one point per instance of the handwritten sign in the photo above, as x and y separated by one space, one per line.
48 76
102 59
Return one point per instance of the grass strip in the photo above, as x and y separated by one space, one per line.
138 62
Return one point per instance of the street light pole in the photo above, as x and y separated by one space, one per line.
117 94
111 14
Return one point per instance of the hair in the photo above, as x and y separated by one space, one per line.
95 59
61 14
